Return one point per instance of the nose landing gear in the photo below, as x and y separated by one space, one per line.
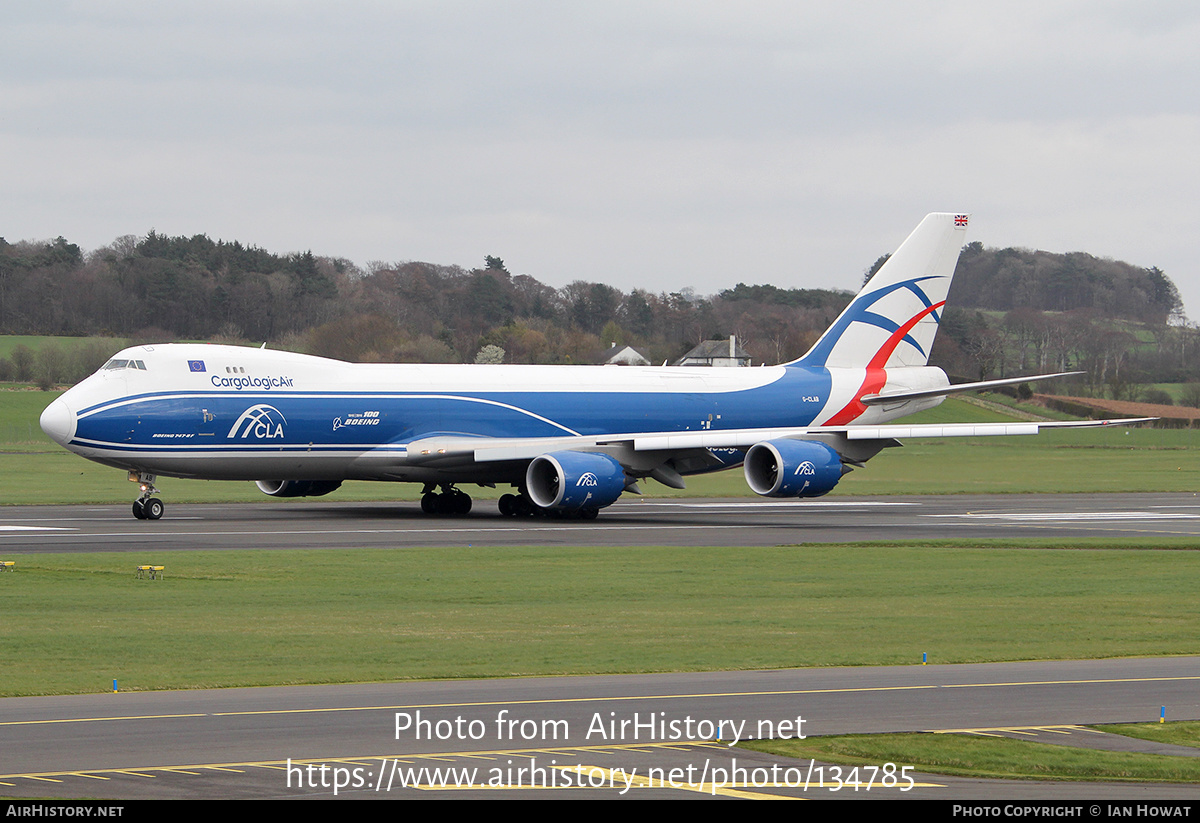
147 506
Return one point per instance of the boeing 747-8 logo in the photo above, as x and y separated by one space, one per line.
370 418
263 422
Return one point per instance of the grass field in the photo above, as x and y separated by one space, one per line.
73 623
34 343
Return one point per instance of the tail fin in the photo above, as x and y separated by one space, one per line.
893 320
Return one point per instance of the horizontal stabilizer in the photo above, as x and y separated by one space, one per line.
895 397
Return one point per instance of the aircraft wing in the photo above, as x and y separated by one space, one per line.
742 438
452 450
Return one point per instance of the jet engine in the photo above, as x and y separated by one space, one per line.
297 488
792 468
571 481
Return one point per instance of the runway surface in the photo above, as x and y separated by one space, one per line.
594 731
610 733
328 524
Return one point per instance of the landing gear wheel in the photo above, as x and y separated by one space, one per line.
449 501
508 505
147 506
153 508
460 503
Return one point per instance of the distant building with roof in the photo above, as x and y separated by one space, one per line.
624 356
716 353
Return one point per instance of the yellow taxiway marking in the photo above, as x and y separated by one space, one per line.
100 719
1070 682
711 695
622 698
617 779
556 700
609 778
620 779
997 731
185 768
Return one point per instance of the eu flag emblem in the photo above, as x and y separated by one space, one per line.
196 365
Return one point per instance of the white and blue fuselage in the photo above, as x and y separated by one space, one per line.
571 439
230 413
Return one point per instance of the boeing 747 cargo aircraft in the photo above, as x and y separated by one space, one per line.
568 439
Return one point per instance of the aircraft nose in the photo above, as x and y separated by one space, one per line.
58 422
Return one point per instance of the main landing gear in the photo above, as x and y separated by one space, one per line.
147 506
449 501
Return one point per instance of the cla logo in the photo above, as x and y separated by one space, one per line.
806 468
263 421
588 479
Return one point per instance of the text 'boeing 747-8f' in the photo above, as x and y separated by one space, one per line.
568 439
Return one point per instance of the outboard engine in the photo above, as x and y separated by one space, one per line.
792 468
571 481
297 488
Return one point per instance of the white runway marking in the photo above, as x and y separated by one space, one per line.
487 529
790 504
35 529
1086 516
115 518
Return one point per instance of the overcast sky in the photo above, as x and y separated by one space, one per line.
656 145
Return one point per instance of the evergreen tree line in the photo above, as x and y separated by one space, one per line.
1012 311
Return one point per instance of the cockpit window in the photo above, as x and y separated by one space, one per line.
125 364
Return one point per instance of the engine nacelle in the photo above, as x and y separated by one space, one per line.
570 481
792 468
297 488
